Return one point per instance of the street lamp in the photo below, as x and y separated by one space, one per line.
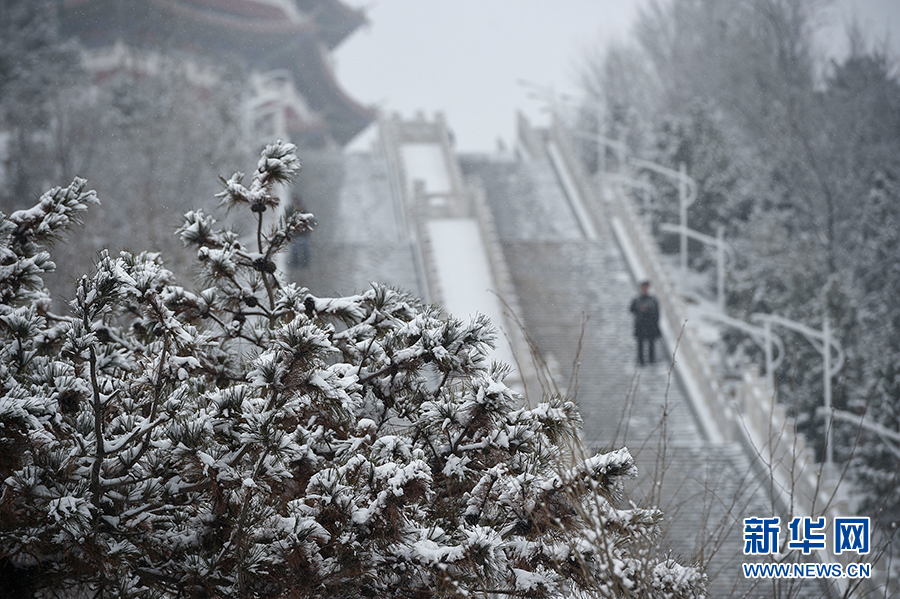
719 242
762 336
882 431
823 342
687 194
548 95
603 143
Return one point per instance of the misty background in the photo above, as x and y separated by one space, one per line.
467 58
783 114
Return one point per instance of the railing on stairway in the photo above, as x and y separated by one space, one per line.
748 414
506 292
465 201
389 137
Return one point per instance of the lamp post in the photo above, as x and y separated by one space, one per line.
603 143
823 342
882 431
546 94
762 336
687 194
718 242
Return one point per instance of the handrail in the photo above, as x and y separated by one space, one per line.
811 335
505 290
388 136
752 415
637 244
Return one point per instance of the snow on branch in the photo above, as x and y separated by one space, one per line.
248 437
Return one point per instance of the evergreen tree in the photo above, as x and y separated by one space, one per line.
800 166
251 440
876 464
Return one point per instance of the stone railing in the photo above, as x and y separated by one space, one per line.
454 171
419 211
691 359
389 138
783 451
467 201
746 412
506 292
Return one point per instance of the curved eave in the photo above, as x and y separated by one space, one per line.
285 26
237 23
315 80
336 21
251 9
295 45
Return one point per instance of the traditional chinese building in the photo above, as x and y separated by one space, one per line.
285 44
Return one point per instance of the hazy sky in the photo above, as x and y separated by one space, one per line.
466 57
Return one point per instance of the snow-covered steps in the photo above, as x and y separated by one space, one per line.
705 491
574 293
359 237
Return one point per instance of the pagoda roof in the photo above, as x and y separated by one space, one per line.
315 80
269 34
330 21
335 20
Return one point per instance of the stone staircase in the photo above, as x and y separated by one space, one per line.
574 296
358 238
573 292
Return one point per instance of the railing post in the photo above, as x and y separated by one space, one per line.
720 267
682 205
767 348
601 152
826 340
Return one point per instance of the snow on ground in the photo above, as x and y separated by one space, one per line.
464 274
425 162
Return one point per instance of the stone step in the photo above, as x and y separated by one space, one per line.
574 296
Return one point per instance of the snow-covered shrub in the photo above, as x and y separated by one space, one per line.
250 440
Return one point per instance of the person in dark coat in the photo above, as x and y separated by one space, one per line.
646 322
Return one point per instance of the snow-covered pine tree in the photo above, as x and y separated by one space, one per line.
875 465
251 440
